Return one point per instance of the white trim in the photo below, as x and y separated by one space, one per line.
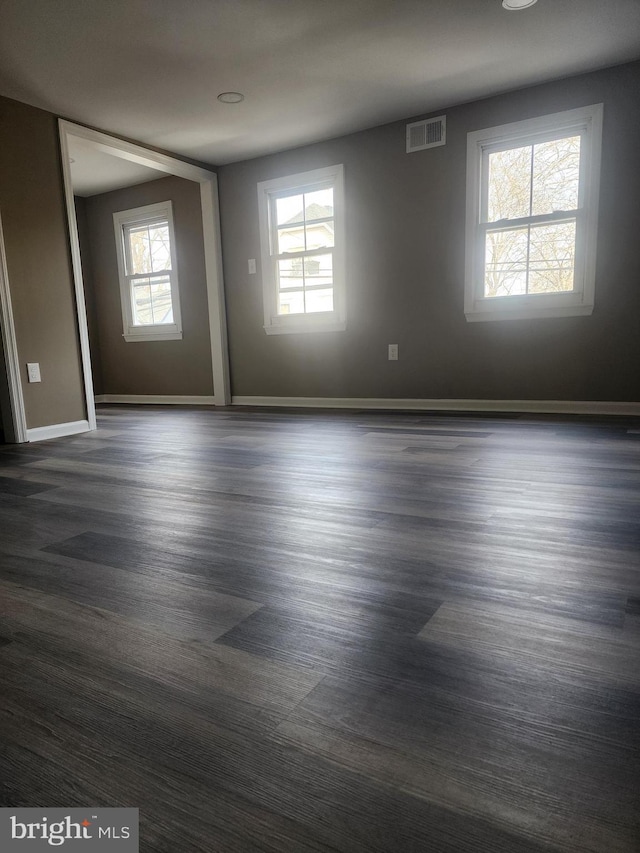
282 324
211 230
215 291
134 152
76 263
560 407
57 430
17 430
156 399
521 312
152 335
302 327
586 121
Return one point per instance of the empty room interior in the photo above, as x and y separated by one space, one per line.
320 426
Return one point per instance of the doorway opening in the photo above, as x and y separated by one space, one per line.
74 138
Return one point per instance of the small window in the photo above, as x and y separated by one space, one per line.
302 243
145 246
532 204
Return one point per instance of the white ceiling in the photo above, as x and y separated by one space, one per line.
151 69
93 171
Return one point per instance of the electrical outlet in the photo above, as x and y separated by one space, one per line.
252 266
33 372
393 352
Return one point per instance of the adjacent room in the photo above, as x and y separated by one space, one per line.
320 426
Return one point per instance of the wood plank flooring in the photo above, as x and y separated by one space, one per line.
315 631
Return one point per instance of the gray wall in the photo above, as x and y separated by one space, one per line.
6 425
38 261
146 367
405 269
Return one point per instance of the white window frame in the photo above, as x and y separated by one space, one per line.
140 216
584 121
268 191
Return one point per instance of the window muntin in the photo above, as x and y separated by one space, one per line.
302 251
531 216
148 281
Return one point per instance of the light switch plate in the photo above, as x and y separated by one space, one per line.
33 372
252 266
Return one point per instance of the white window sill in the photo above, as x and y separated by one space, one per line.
298 328
489 310
154 336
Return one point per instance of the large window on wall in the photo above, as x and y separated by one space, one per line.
532 206
145 246
302 249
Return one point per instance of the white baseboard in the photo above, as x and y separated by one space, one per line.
57 430
559 407
156 399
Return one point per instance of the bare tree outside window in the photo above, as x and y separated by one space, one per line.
150 256
532 203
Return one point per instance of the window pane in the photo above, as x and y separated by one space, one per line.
556 175
318 269
291 239
319 300
161 300
160 247
320 235
506 263
290 273
141 303
552 257
509 184
289 209
318 204
151 301
140 250
291 302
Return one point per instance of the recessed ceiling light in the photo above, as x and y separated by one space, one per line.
516 5
230 97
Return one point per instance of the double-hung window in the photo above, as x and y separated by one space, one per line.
145 245
302 248
532 206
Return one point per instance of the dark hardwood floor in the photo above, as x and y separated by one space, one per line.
319 631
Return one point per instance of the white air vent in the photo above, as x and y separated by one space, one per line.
426 134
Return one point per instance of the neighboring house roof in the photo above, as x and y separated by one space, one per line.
314 211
